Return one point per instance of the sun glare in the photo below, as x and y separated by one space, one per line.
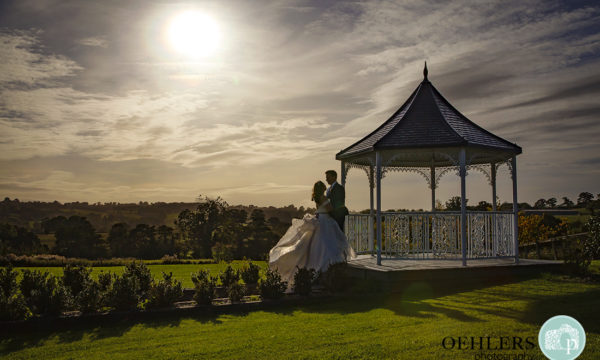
194 34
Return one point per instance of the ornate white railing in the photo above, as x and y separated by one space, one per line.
433 235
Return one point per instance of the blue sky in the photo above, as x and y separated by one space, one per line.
96 106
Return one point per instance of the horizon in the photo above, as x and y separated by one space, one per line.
557 207
116 103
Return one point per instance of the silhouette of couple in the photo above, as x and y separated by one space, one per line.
315 241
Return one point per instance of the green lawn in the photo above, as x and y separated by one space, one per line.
595 266
408 325
181 272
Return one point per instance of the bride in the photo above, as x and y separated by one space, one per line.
314 242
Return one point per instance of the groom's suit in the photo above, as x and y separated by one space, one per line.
337 197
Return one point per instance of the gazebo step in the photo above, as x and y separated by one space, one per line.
395 274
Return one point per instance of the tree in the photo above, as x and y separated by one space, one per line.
551 202
567 203
118 240
453 204
483 206
20 241
524 206
540 204
584 199
197 226
167 240
535 228
143 240
77 238
261 238
51 225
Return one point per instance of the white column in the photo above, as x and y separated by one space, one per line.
378 186
371 211
432 188
494 208
343 173
493 172
515 209
463 205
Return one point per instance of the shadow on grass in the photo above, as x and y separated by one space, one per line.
422 300
94 327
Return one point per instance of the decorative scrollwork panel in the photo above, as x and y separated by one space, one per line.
444 235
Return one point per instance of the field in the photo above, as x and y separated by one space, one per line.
408 325
180 272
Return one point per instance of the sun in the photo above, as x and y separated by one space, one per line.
194 34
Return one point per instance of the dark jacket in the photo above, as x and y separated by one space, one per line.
337 197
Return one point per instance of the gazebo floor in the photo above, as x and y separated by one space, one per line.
394 274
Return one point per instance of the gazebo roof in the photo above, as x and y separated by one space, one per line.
427 121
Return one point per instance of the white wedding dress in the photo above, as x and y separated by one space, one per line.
312 242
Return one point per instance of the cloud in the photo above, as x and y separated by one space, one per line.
52 121
585 87
23 61
293 83
99 41
595 161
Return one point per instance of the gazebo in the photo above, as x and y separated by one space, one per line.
427 135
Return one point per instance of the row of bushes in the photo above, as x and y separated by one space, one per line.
41 293
43 260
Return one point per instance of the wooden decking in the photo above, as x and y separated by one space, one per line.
389 264
394 272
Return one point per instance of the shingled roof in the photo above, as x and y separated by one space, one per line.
427 120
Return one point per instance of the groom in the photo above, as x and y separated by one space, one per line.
337 196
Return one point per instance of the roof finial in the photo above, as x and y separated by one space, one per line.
425 72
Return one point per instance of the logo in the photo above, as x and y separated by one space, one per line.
562 338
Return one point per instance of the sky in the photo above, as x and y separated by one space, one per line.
97 104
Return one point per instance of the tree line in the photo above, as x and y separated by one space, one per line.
212 230
585 200
29 214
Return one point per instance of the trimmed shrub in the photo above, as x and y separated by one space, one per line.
13 307
200 275
90 298
165 292
44 293
229 276
303 279
579 253
143 278
271 287
123 295
235 292
204 290
577 259
250 274
591 246
105 281
76 277
129 290
12 303
335 279
8 280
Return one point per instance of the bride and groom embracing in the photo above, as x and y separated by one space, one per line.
315 241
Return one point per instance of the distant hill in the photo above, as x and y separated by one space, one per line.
29 214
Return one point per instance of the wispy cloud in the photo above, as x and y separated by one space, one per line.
23 61
293 83
98 41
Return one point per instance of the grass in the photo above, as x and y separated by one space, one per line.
181 272
407 325
595 266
